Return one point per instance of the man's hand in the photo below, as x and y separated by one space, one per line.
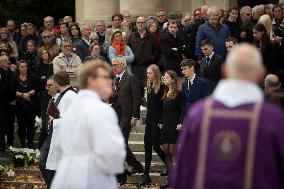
50 119
133 122
179 127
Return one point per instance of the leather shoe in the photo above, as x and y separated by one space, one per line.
122 179
145 181
164 173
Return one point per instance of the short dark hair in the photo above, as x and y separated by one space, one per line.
117 15
233 8
187 63
172 22
234 40
277 6
206 42
61 78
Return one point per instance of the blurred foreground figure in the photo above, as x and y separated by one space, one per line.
233 139
91 145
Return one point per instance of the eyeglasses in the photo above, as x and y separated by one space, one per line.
65 46
248 14
114 65
204 49
186 20
46 37
48 85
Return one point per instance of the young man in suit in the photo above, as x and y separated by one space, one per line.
210 65
128 89
194 87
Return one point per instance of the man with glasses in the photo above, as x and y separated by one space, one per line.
67 61
53 48
45 135
144 48
128 91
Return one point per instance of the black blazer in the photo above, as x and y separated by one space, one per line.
214 73
198 90
129 98
82 50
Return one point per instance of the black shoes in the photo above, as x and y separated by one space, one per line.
145 181
164 173
122 178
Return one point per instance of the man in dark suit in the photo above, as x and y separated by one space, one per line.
210 65
83 47
194 88
128 89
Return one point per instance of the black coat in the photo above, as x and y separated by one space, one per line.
173 58
154 115
82 50
7 92
129 98
214 73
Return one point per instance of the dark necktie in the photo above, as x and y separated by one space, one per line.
207 65
117 80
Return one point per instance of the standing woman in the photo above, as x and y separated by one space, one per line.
44 70
31 56
119 48
64 34
75 34
171 115
26 104
263 43
153 118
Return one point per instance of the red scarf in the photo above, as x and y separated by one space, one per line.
119 48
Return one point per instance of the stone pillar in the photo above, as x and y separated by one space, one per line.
141 7
89 11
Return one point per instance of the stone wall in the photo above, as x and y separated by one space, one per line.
89 11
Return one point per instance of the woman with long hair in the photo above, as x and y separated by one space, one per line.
26 105
154 105
75 34
119 48
44 70
263 43
171 114
64 33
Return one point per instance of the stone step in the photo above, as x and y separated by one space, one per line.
136 146
136 136
155 177
156 167
140 156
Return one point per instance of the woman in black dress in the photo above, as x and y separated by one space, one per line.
26 104
171 116
44 70
153 118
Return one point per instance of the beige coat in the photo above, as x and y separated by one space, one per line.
60 63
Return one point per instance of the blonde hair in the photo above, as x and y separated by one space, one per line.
266 21
90 69
156 83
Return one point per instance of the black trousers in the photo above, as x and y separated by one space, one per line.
26 126
48 175
130 158
148 155
7 120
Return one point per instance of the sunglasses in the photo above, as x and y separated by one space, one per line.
46 37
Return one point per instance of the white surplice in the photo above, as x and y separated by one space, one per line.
91 145
63 106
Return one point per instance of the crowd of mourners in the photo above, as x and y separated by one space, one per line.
187 49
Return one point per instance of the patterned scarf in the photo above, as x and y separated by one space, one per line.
119 48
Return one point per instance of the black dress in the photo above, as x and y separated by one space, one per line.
154 116
171 117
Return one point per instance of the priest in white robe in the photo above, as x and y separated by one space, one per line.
91 145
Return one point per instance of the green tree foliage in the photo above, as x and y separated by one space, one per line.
35 10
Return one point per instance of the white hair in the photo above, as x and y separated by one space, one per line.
121 60
244 61
212 9
49 18
244 9
257 8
